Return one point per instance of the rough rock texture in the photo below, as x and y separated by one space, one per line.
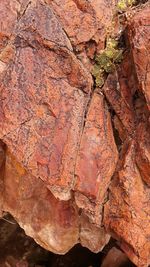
127 212
84 21
54 224
75 159
139 34
97 143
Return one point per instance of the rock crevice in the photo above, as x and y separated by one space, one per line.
64 176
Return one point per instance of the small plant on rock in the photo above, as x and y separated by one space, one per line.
106 60
124 4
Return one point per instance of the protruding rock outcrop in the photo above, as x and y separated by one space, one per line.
75 158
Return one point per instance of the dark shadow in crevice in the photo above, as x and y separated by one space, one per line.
19 250
140 107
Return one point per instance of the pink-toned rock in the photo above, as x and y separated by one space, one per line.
115 258
56 225
91 236
96 159
52 223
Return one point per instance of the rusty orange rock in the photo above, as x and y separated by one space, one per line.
56 225
77 157
52 223
96 160
83 20
46 94
139 40
113 91
143 151
8 22
128 209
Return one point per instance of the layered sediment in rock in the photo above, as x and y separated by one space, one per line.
74 159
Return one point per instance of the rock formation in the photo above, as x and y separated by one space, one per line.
75 158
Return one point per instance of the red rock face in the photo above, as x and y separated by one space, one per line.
74 159
48 115
50 101
82 20
54 224
97 143
114 92
51 222
127 211
8 22
45 95
140 42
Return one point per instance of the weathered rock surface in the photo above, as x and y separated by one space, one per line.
97 143
74 159
127 213
82 20
139 35
54 224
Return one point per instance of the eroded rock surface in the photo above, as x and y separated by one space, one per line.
97 143
139 39
75 159
127 213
